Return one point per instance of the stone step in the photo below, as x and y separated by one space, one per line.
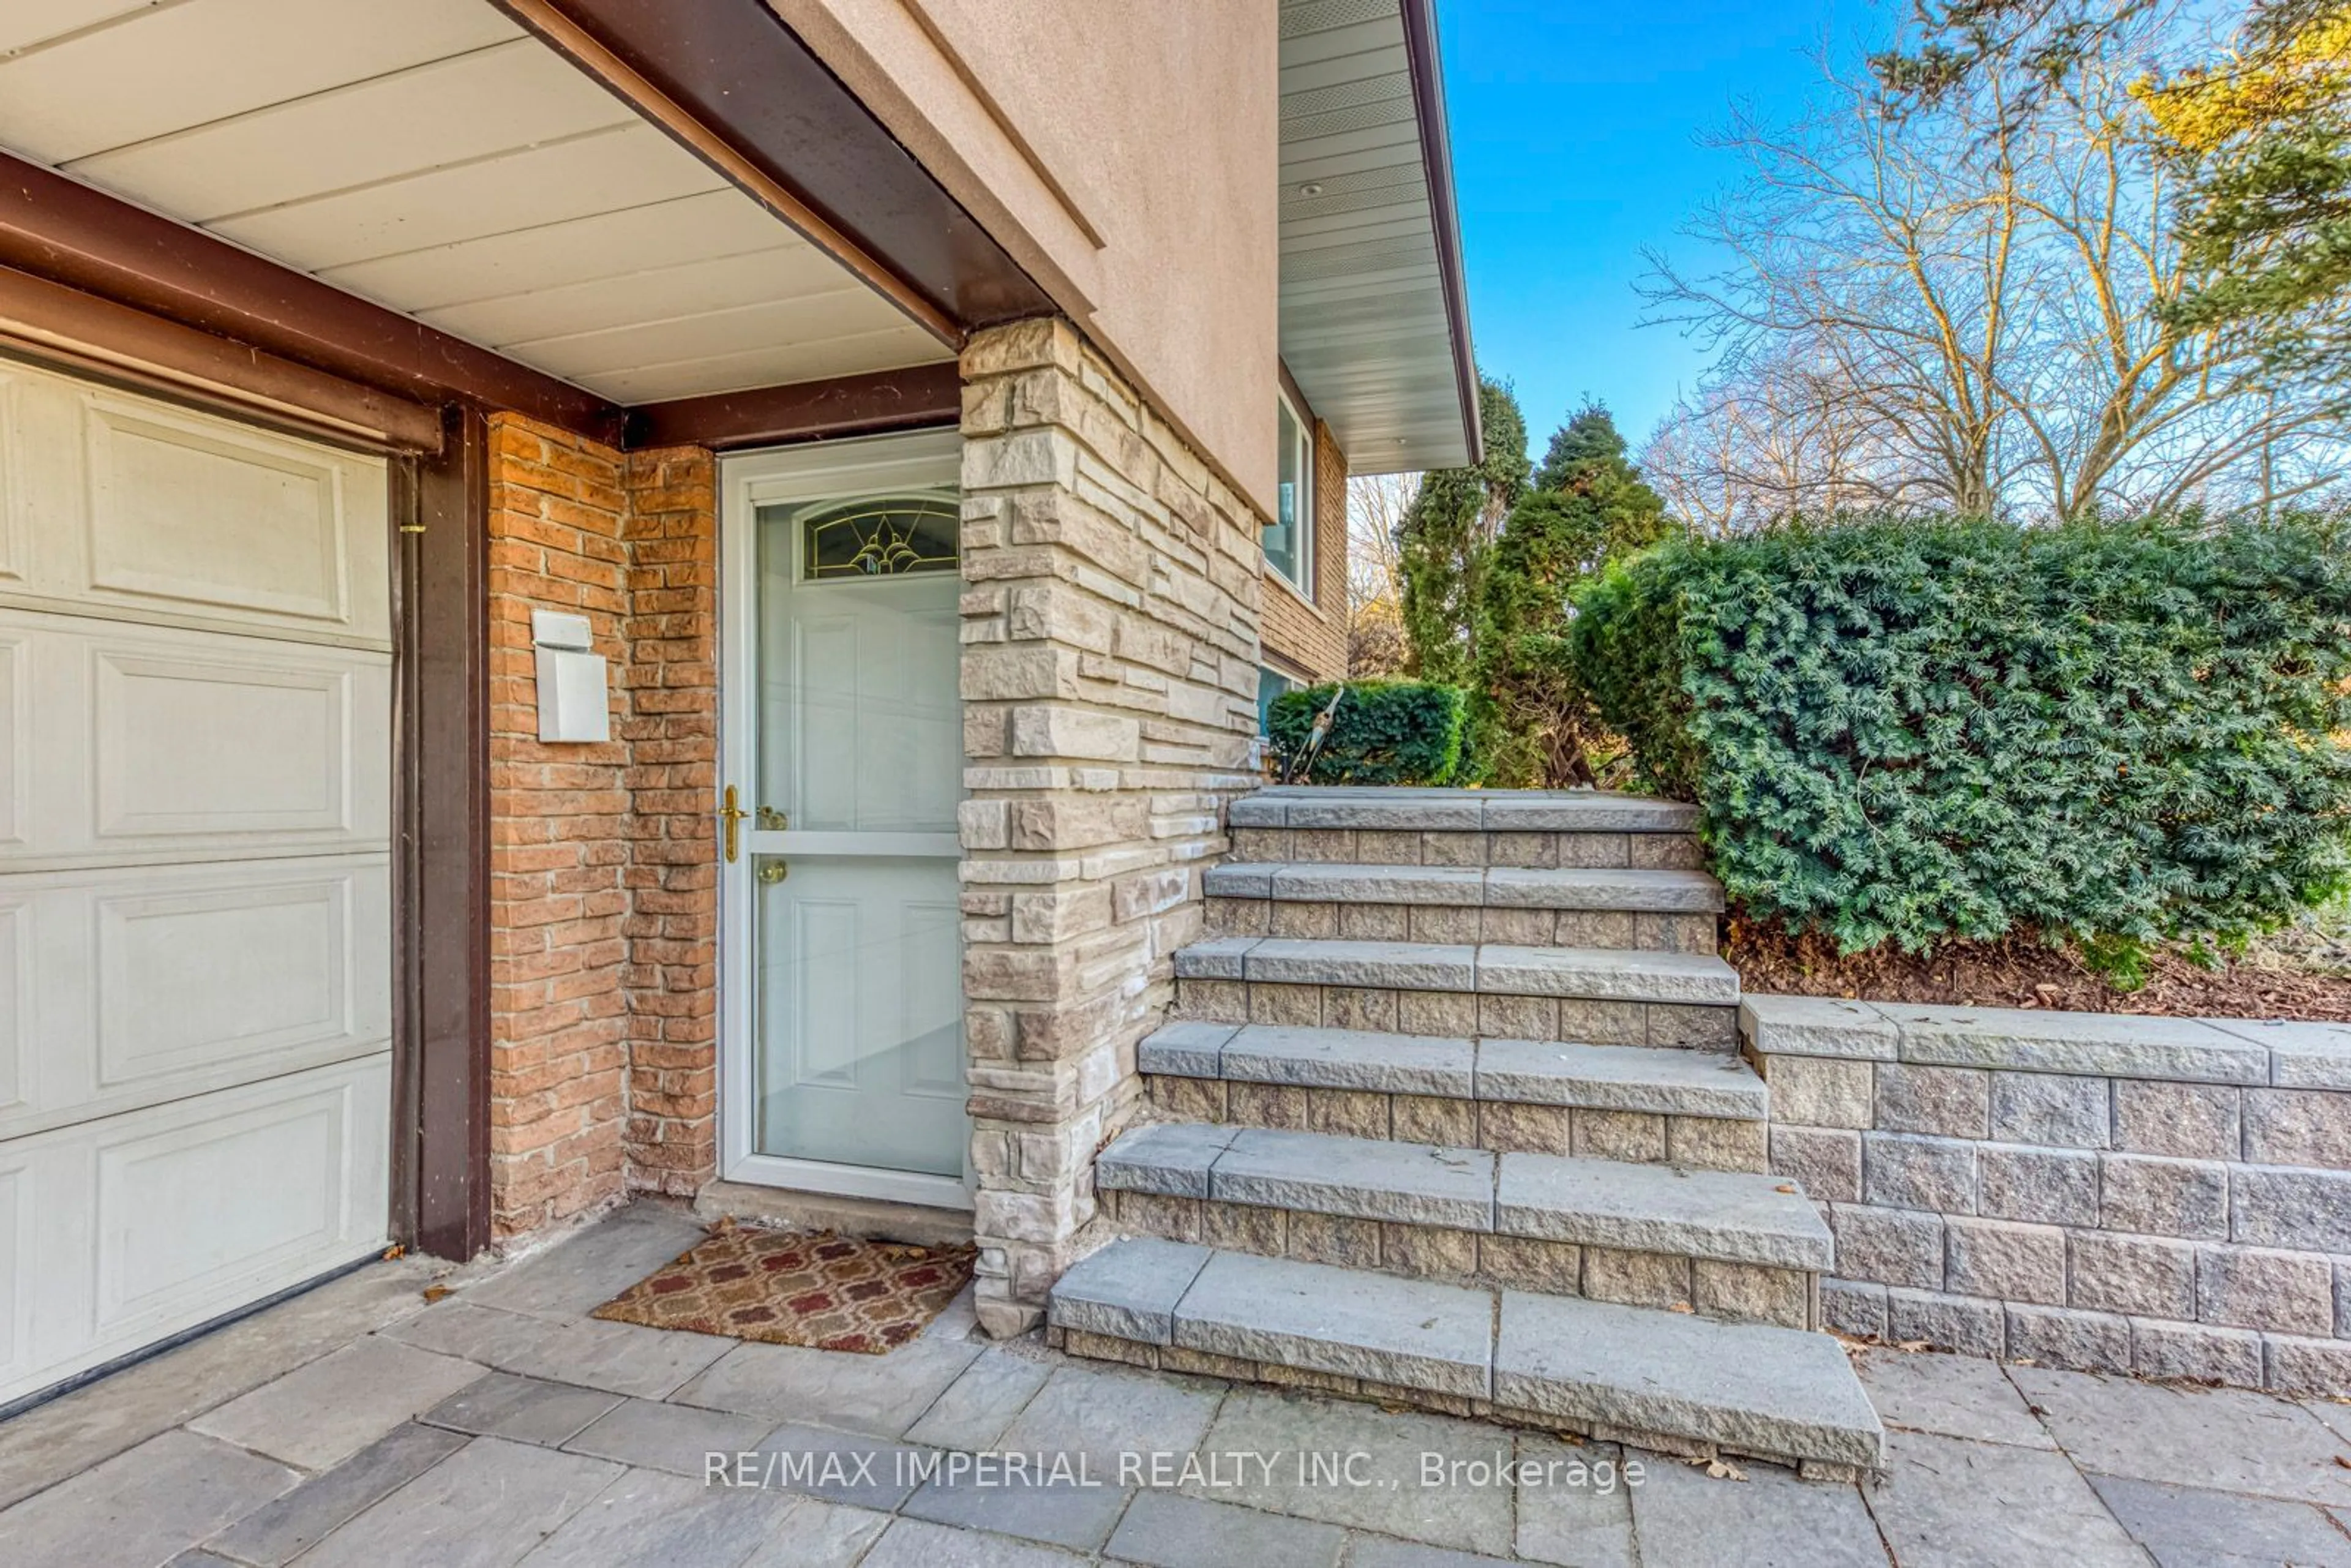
1410 846
1663 911
1727 1216
1583 974
1628 1078
1462 811
1588 994
1470 886
1614 1373
1446 1242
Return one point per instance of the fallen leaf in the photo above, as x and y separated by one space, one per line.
1682 1307
1724 1470
1786 1187
437 1293
394 1250
2344 1463
1912 1345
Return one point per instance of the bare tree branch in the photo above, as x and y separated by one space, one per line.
1953 303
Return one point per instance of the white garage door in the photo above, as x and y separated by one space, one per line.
194 832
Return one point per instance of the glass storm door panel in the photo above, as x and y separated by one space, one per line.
861 1015
854 767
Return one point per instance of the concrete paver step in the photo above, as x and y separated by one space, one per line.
1524 1072
1594 974
1718 1215
1499 887
1750 1389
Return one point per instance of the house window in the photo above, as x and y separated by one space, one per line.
1270 684
1289 542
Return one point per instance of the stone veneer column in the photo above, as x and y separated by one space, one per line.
1109 628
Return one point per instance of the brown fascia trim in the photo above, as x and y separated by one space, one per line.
864 405
1436 158
81 334
68 233
736 86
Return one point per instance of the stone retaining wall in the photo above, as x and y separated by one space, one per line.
2165 1197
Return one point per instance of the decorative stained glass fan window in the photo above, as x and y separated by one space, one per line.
880 535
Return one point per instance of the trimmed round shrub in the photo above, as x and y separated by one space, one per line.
1386 732
1910 731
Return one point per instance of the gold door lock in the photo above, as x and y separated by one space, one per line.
772 869
772 821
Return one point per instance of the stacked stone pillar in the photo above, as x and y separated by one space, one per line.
1109 675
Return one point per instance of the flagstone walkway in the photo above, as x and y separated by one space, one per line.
358 1425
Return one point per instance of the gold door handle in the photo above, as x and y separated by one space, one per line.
730 815
772 869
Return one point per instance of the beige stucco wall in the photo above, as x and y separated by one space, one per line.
1127 155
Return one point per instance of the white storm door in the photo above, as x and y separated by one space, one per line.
844 984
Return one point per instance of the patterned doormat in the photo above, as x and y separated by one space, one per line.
833 1292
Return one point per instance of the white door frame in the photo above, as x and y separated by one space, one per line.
746 480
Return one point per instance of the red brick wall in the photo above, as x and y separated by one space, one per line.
558 839
671 729
1313 637
603 897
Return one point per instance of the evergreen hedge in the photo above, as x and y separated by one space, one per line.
1386 732
1910 731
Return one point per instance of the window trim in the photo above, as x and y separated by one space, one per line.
1303 584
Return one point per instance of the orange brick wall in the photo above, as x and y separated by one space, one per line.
1313 637
603 899
671 729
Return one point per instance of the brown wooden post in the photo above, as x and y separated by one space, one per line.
441 1142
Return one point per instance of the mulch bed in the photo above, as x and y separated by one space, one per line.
2023 972
831 1293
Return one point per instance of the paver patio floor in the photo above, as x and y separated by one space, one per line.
358 1425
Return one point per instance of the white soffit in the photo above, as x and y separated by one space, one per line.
432 157
1364 325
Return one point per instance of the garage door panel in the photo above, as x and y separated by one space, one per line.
244 745
17 1340
15 1008
15 497
117 505
238 974
141 985
178 512
164 1233
15 738
138 1226
148 743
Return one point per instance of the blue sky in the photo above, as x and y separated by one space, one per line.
1575 127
